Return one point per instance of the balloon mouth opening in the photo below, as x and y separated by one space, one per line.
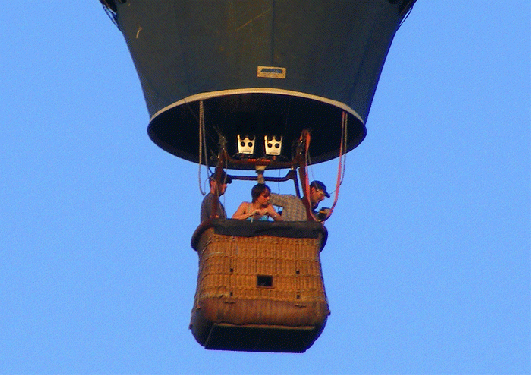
257 114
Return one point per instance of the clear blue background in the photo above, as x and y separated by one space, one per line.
427 266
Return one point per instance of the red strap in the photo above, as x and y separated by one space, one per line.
342 155
306 138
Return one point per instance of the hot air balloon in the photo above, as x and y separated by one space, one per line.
254 85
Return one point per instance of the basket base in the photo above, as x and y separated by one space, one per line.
293 329
260 338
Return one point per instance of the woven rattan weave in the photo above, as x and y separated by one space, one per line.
259 286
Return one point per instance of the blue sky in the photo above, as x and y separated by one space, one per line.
427 267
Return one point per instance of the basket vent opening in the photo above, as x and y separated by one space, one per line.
264 281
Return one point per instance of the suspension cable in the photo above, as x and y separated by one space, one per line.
342 159
305 183
202 144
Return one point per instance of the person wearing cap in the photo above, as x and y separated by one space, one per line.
293 208
216 191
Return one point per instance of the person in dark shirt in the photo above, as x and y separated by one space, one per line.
216 191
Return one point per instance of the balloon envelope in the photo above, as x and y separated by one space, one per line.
260 67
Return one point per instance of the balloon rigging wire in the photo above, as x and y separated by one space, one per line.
202 144
342 159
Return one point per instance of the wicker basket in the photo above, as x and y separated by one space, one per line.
259 285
